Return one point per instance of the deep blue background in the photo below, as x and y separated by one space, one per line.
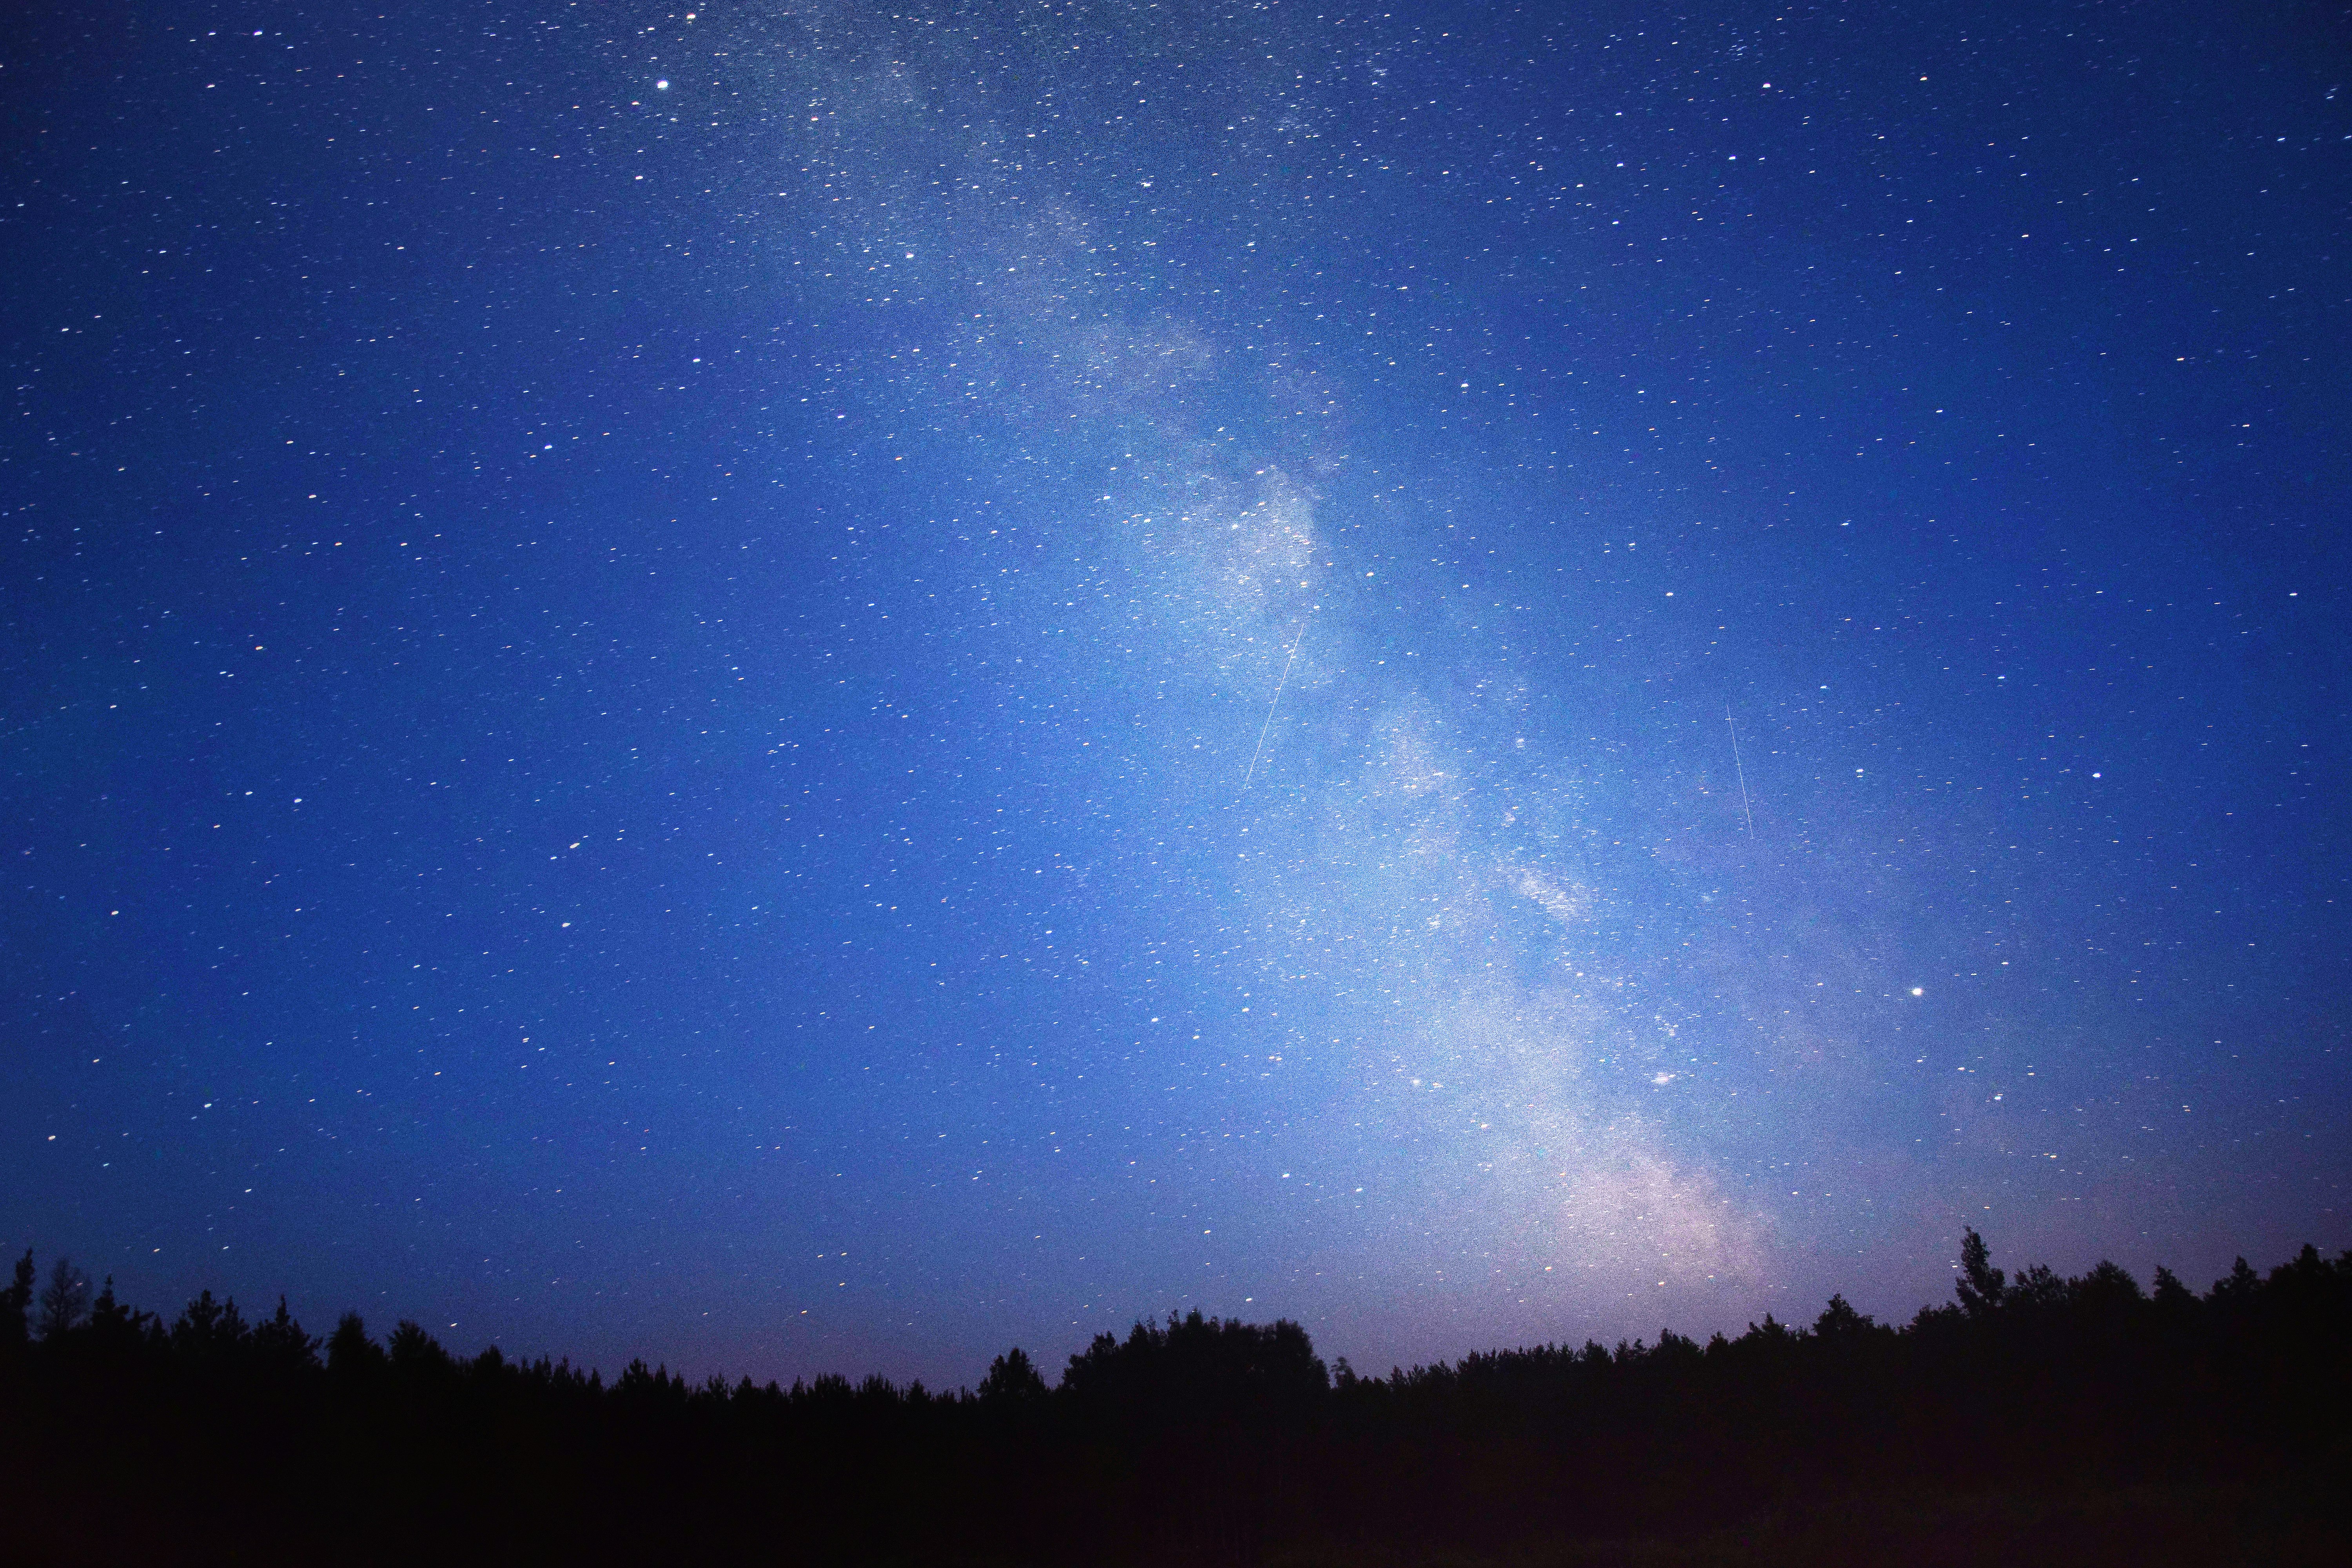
640 664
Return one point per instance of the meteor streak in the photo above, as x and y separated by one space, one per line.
1270 707
1744 813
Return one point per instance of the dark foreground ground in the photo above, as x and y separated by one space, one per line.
2197 1527
2148 1527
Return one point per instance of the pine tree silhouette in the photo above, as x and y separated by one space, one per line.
65 1299
1981 1286
13 1300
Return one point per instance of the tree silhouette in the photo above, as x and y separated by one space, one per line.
2173 1299
1012 1379
113 1327
1980 1285
65 1299
281 1345
13 1303
210 1335
1839 1322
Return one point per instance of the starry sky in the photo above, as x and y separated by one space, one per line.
812 686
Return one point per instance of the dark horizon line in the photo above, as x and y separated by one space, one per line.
1988 1286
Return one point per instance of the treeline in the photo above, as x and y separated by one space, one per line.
126 1437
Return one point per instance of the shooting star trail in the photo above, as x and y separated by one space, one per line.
1270 707
1738 767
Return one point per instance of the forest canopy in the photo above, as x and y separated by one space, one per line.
134 1437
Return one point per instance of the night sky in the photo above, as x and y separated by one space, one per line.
810 687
